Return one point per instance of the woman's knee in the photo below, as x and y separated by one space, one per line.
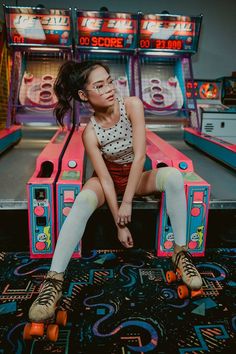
169 177
175 180
94 185
87 198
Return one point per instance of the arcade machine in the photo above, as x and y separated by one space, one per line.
229 90
213 125
111 38
166 43
42 40
9 134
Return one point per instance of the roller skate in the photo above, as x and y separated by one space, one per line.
42 312
184 269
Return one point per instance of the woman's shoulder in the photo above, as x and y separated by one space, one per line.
88 131
132 102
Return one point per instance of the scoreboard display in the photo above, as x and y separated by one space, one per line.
27 26
165 32
109 31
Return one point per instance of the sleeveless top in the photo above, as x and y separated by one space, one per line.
116 142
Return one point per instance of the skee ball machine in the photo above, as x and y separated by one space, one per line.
112 39
213 125
46 39
10 133
166 43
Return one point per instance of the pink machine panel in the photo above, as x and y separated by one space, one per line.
70 180
197 196
41 194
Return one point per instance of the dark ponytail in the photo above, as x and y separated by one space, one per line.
72 77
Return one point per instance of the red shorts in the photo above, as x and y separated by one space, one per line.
119 174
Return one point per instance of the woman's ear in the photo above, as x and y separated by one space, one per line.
82 96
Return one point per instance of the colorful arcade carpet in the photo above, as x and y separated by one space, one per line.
120 303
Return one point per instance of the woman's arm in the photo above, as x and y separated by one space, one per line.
94 153
91 147
135 111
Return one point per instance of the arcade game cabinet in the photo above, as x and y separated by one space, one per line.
213 125
166 43
229 90
110 38
43 42
10 133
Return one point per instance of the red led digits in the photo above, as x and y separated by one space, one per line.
102 42
169 44
84 41
145 43
18 39
107 42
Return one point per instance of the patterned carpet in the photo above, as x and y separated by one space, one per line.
120 303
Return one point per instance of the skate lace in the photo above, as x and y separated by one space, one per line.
187 264
49 291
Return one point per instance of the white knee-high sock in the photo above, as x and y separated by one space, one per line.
170 180
73 228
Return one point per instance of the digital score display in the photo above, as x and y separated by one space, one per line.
109 31
34 26
203 90
104 42
170 44
164 32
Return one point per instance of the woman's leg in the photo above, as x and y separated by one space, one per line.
90 198
170 181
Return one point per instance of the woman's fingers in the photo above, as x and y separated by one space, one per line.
123 220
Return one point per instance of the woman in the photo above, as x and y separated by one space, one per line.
114 140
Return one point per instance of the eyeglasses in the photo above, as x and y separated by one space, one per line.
102 88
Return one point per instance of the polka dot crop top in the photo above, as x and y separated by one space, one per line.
116 142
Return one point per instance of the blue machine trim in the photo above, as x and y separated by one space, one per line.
217 151
10 139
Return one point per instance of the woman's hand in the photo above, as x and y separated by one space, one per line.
124 213
124 236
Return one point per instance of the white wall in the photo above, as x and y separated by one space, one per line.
217 47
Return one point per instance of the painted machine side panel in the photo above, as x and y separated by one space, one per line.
66 195
70 181
41 220
41 197
197 197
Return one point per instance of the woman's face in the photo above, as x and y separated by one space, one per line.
100 90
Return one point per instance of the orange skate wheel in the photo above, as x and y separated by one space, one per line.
197 293
61 318
183 291
170 276
52 332
26 333
37 329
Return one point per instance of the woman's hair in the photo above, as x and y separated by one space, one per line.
72 77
